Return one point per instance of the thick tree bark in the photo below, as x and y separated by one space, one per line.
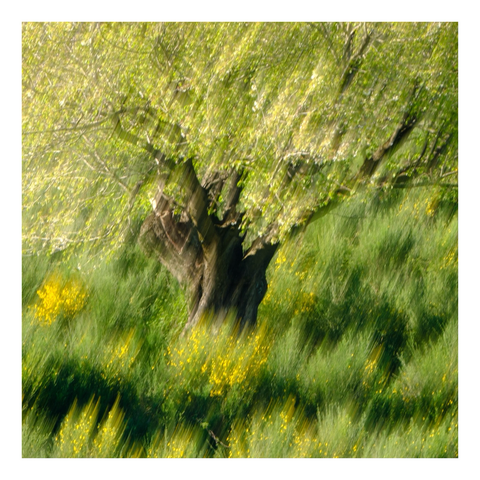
205 254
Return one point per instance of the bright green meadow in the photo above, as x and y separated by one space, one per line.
354 353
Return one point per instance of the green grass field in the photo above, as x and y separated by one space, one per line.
354 355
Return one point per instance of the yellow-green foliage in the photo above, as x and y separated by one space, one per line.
56 297
109 433
223 360
275 432
182 443
354 354
283 430
82 436
75 436
118 356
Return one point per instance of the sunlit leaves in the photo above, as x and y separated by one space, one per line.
268 98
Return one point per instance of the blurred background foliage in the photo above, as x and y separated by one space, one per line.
296 106
355 349
355 353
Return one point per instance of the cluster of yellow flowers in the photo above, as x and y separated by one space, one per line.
287 414
235 362
179 443
450 259
305 441
236 440
224 359
281 258
110 432
120 355
59 297
81 436
184 442
305 303
281 430
431 206
73 439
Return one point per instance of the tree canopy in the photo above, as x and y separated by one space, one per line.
286 117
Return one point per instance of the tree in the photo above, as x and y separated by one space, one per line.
225 138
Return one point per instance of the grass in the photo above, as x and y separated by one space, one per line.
355 353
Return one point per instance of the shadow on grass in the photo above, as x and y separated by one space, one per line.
68 381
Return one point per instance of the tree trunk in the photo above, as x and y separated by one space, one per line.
206 255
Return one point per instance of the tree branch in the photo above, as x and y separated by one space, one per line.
402 131
354 61
76 128
197 203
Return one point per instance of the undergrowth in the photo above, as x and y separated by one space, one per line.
355 352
